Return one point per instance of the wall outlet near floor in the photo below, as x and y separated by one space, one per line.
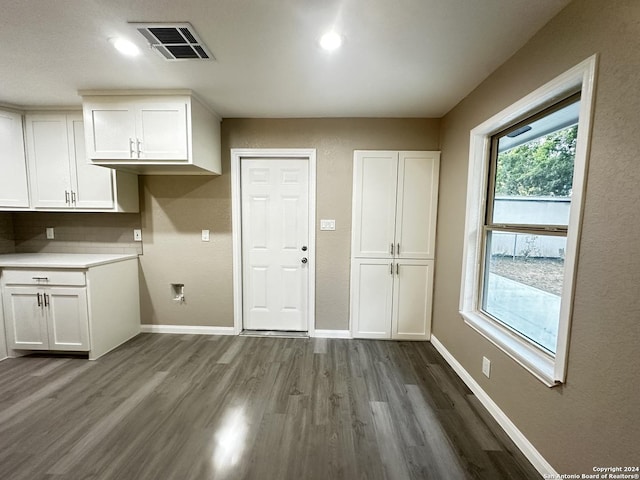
50 233
137 235
205 235
486 366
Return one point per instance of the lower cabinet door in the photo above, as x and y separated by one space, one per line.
371 297
68 319
25 318
412 299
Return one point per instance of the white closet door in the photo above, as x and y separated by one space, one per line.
275 228
371 297
13 181
417 204
374 204
412 291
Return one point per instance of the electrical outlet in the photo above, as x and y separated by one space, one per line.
486 366
137 235
205 235
50 233
327 224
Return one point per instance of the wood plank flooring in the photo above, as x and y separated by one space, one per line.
209 407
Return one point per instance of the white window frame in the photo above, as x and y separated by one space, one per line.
549 369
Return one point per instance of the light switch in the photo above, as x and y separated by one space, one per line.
137 235
205 235
327 224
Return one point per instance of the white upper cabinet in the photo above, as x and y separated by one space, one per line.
140 129
153 134
395 204
14 192
60 176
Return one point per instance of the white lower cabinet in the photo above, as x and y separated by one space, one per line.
391 298
51 318
92 309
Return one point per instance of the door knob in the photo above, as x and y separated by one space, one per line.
304 260
304 248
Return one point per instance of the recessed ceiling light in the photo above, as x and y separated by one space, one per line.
331 41
125 46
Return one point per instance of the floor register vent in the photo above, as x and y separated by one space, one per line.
174 41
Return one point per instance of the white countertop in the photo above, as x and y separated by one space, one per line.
61 260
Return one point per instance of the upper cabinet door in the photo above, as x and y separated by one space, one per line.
417 204
48 156
14 192
162 131
93 187
111 131
374 204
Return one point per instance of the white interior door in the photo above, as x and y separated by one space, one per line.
275 229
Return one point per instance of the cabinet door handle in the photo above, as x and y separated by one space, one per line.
398 249
391 250
138 145
66 196
40 278
131 150
39 300
391 268
46 299
397 269
73 197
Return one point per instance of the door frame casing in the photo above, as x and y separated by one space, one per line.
237 154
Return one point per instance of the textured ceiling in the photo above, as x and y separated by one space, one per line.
400 58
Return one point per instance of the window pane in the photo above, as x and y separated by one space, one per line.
534 170
523 283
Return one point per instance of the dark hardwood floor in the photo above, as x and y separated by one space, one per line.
202 407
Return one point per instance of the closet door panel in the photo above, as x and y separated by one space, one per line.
374 204
417 204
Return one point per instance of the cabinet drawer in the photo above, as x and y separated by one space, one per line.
43 277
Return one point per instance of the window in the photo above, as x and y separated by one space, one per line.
524 202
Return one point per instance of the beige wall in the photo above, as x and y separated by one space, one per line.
76 232
176 209
7 244
593 420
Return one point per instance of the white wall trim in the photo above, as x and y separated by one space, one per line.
236 224
525 446
187 329
331 334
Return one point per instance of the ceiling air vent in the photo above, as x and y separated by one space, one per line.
174 41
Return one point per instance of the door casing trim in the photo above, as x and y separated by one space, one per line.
237 154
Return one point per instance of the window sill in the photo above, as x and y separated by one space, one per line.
533 360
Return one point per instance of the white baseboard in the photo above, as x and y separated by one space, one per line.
529 451
331 334
187 329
